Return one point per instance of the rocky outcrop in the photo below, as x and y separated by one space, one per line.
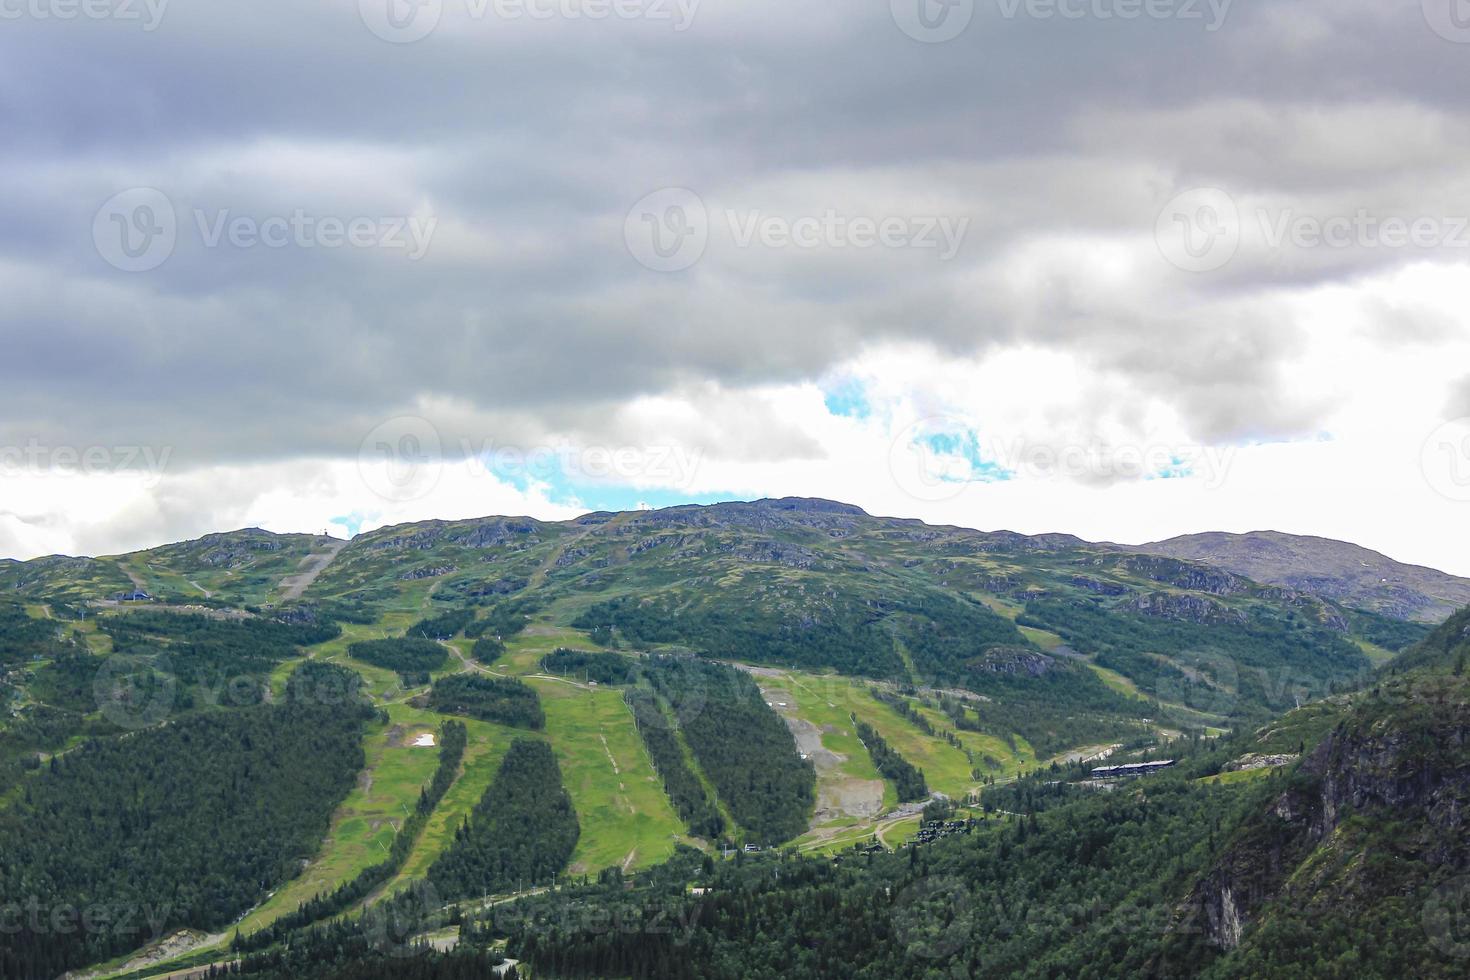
429 571
1193 576
1184 608
1097 586
1402 755
1324 614
1017 661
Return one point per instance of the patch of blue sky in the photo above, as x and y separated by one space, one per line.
848 399
961 459
1178 469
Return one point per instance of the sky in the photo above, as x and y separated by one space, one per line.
1120 268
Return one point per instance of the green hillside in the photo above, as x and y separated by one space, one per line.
707 679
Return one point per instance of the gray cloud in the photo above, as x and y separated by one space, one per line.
529 143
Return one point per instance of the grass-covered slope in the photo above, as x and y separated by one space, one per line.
184 825
523 830
741 744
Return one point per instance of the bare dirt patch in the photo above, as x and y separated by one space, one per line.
838 795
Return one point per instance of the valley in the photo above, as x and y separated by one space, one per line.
767 638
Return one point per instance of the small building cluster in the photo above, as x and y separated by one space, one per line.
936 829
1130 769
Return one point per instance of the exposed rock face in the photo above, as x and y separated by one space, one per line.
488 533
1408 762
1098 586
1256 760
1325 615
1184 608
1334 570
432 571
1194 576
1014 660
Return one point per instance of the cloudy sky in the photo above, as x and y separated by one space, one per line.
1122 268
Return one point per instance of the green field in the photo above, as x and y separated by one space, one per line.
626 818
363 827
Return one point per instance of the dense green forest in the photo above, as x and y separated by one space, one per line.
944 635
194 661
406 655
503 700
604 668
846 637
23 638
684 788
188 824
1077 893
908 780
521 833
741 744
502 620
453 738
1249 669
444 626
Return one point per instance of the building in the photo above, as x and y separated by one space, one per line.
1131 769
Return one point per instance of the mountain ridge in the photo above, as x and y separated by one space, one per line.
1334 569
1340 571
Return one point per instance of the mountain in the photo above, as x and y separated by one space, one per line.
766 674
1336 570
